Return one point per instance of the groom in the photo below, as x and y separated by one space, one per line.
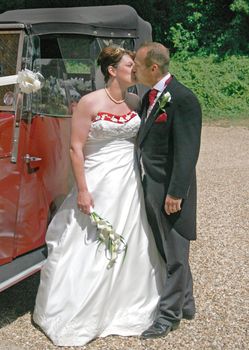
168 147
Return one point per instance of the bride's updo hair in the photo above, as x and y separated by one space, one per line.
111 56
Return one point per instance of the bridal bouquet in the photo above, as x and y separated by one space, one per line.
114 243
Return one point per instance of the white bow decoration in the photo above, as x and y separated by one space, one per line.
29 82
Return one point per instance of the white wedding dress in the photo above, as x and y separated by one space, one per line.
79 299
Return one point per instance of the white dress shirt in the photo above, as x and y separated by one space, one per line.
160 86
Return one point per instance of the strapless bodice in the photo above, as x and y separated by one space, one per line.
109 126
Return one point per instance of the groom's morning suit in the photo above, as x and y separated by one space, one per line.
168 149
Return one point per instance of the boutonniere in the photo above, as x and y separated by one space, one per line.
164 101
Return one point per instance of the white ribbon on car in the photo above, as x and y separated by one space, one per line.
28 81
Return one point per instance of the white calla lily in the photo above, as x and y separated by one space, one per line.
114 243
164 100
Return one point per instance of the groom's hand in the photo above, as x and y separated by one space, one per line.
172 204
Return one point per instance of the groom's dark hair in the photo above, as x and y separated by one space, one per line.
157 53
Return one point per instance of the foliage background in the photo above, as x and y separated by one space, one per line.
208 39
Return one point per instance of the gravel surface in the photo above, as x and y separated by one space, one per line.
219 260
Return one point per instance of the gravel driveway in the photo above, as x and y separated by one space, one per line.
219 260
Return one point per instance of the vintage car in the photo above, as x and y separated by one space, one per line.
35 173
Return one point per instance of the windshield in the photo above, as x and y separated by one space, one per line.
68 64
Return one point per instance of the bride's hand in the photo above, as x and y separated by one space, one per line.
85 201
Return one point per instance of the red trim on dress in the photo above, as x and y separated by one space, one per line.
119 119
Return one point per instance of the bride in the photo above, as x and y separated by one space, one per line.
79 297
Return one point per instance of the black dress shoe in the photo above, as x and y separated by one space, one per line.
158 329
188 316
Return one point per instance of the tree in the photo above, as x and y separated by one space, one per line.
188 27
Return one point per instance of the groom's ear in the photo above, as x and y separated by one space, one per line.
154 67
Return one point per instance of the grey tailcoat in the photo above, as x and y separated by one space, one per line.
169 152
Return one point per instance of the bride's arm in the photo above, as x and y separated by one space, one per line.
81 122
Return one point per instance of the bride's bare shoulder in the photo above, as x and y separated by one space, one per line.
92 96
91 100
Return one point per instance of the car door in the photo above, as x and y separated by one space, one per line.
11 42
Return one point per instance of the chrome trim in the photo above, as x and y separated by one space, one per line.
12 26
28 158
22 275
16 127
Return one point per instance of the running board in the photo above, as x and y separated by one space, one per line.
21 268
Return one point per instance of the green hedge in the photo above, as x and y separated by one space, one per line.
222 86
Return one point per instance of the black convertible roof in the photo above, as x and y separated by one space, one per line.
111 21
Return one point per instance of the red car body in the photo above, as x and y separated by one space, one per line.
35 170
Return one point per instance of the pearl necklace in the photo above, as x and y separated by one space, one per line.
113 99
